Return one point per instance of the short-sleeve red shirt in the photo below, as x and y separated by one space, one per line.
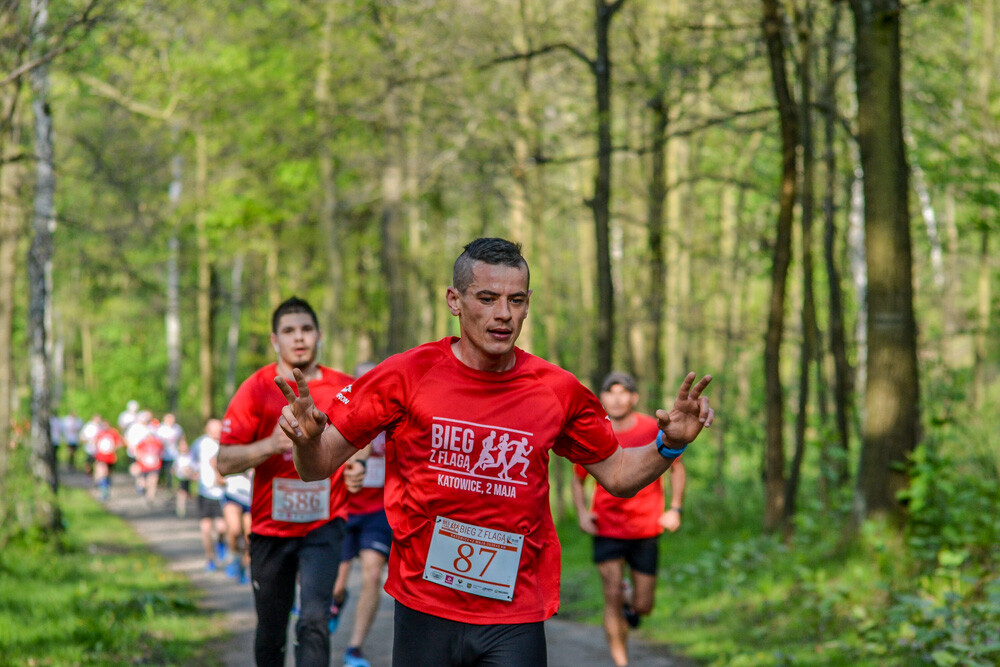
474 447
371 497
106 444
251 416
149 453
636 517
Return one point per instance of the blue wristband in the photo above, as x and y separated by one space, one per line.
665 451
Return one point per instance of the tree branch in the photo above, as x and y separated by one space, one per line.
106 90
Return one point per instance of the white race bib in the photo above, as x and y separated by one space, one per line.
296 501
374 473
470 558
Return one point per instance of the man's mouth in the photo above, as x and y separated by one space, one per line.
500 333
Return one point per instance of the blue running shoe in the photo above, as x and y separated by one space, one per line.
210 566
220 552
335 609
233 570
353 658
244 578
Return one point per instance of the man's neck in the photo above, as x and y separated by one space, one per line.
482 362
622 423
310 372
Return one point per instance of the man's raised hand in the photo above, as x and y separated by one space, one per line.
301 420
691 413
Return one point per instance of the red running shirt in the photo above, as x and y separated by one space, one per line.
636 517
474 447
251 416
106 444
149 453
371 497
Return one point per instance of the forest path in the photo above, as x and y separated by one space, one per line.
178 540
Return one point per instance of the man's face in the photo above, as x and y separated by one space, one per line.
296 340
618 401
491 312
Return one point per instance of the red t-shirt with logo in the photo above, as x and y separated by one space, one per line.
636 517
473 447
282 504
371 497
149 453
106 444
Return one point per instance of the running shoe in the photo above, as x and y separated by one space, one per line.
210 566
220 552
233 569
335 609
353 658
244 578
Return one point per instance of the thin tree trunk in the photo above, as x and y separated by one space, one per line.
43 453
984 299
11 176
173 314
774 460
206 362
655 220
892 415
328 215
842 387
391 222
601 202
235 310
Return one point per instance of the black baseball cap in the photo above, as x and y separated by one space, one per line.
617 377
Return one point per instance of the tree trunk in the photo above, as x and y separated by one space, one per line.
891 423
206 362
984 299
233 335
601 203
173 315
774 460
43 453
842 385
657 196
391 223
328 220
11 175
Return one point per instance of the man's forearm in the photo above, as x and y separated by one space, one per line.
238 458
321 459
629 470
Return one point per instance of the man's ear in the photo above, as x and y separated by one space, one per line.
454 299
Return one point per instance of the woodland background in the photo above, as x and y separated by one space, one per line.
800 197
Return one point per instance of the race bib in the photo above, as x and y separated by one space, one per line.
374 473
150 460
105 445
477 560
296 501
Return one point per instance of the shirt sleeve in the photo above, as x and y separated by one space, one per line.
239 426
587 436
374 403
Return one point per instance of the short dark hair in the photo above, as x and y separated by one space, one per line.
498 252
292 305
617 377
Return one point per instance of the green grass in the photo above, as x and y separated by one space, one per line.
98 597
726 595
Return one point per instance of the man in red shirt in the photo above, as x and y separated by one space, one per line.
627 530
296 526
107 442
471 423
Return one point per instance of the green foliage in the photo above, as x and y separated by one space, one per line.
97 597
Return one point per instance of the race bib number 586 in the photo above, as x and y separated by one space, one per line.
296 501
477 560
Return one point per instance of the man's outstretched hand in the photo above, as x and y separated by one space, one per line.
301 420
690 414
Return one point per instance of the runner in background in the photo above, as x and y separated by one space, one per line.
134 434
171 435
236 512
297 527
149 458
107 442
185 469
369 537
211 489
627 530
88 435
71 427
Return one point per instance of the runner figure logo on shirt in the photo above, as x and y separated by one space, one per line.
503 456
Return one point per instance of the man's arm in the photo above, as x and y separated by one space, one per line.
318 447
583 514
237 458
671 518
627 471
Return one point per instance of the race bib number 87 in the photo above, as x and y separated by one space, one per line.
477 560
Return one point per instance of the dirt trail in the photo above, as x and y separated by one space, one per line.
570 644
